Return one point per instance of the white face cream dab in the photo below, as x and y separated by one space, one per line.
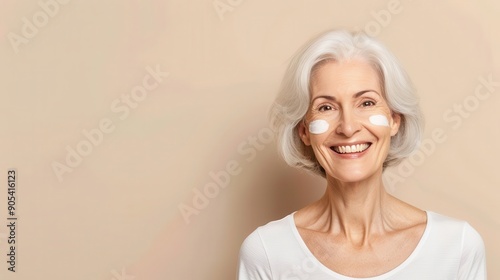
318 126
379 120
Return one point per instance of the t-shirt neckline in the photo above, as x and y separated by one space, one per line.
385 275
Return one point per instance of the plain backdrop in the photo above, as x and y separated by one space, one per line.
125 174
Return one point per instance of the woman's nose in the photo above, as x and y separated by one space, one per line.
348 124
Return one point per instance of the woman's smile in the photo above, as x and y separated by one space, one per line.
351 148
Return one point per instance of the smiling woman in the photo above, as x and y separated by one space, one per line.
346 111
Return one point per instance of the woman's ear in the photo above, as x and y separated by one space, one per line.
395 123
304 133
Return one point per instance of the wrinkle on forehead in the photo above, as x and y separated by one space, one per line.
313 81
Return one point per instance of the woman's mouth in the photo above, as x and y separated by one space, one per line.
350 149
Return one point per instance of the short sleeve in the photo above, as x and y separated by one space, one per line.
253 260
473 257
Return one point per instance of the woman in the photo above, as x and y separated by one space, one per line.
346 111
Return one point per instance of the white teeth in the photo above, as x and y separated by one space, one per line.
351 149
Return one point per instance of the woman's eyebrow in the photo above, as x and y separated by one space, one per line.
356 95
329 97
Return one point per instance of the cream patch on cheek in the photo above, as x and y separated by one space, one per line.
318 126
379 120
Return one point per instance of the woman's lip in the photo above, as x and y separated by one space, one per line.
350 154
350 143
351 148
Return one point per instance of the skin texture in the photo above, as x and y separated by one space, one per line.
356 229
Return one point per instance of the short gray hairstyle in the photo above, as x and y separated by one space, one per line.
293 99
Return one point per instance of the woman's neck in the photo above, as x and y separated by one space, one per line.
356 210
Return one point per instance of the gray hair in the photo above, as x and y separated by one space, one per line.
293 99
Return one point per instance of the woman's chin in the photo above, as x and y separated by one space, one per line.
352 175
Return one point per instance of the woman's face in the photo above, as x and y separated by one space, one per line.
349 124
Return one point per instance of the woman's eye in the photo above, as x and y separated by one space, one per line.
367 103
323 108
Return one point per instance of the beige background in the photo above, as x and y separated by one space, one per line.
116 215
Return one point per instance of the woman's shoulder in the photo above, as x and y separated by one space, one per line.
444 222
266 239
455 230
457 238
270 230
263 246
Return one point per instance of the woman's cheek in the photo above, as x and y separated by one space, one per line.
318 126
379 120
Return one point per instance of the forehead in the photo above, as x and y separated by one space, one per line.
351 76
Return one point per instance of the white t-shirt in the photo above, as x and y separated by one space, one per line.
448 249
